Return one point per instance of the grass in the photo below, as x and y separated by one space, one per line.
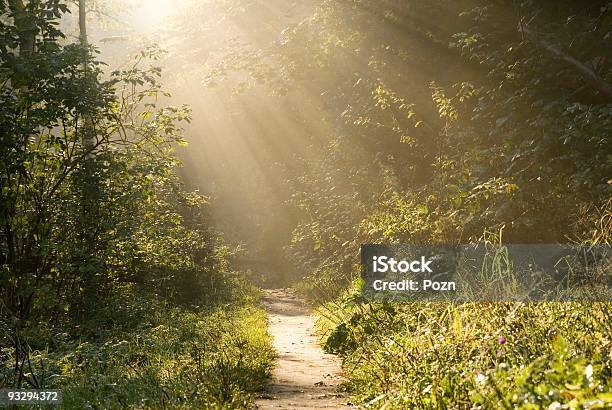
174 358
434 355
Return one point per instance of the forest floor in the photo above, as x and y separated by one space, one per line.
304 376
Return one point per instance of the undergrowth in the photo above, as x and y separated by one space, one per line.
549 355
174 358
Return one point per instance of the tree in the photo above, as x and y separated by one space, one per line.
63 132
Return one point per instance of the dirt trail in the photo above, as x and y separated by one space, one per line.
304 377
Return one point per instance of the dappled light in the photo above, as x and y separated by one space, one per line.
197 197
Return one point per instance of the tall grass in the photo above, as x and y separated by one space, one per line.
174 358
502 355
474 355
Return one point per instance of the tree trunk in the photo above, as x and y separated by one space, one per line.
27 37
82 23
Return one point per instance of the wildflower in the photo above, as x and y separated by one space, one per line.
501 340
588 372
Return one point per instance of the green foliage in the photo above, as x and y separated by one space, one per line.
90 199
114 287
171 358
502 355
449 120
556 378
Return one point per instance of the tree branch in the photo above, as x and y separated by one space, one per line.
596 81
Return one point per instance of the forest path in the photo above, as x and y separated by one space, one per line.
304 376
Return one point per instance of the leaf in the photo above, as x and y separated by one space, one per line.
422 209
501 121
